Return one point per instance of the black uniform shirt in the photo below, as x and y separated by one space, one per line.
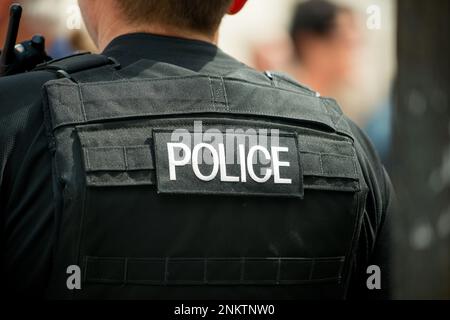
26 195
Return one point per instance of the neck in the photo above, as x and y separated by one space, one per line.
109 31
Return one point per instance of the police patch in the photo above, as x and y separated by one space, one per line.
230 164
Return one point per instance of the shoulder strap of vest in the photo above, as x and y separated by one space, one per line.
332 108
70 66
219 94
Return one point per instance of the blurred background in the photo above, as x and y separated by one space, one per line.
385 61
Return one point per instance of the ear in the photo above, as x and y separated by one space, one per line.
236 6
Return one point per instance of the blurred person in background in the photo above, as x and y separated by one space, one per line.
326 40
379 129
67 44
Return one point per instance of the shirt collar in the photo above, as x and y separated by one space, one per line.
129 48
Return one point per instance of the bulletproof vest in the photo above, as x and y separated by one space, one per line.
175 184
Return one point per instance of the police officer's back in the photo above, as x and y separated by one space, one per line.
166 169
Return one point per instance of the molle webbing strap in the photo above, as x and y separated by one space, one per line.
213 271
326 164
77 103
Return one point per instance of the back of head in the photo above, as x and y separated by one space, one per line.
196 15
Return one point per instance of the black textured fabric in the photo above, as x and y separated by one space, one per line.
25 174
26 208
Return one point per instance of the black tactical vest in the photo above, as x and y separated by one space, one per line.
181 185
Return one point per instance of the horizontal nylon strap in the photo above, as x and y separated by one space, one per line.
328 165
134 158
127 158
77 63
211 271
141 178
72 103
117 179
